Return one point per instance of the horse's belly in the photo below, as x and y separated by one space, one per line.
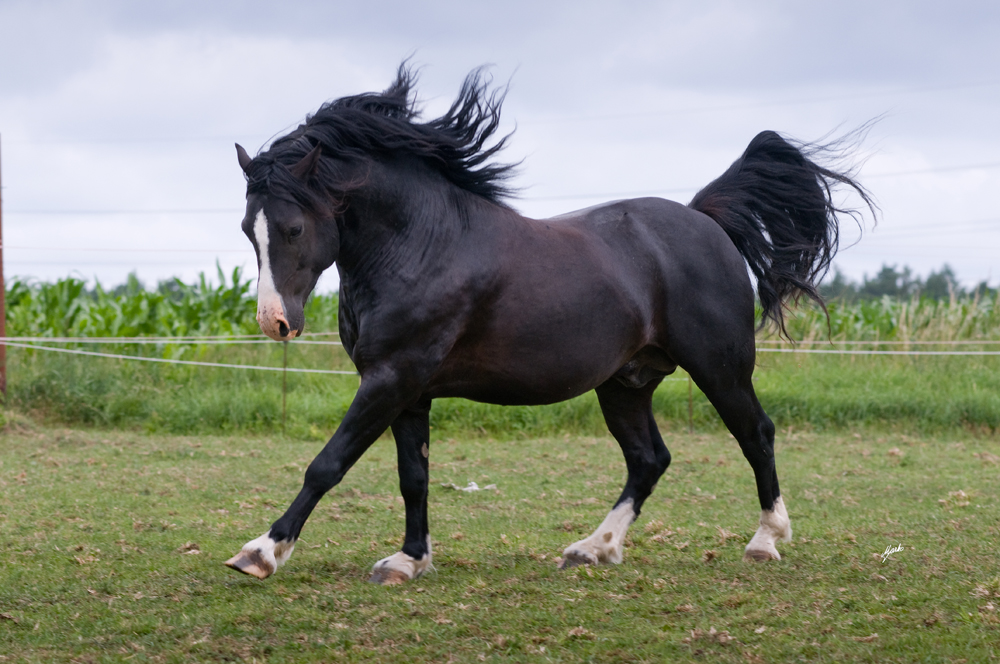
504 392
526 378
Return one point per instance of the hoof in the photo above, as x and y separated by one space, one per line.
252 563
760 555
577 558
388 577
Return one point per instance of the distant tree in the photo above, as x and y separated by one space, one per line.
890 281
984 290
132 286
941 285
839 288
173 289
893 282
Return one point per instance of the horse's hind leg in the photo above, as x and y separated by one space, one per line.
727 384
412 433
628 412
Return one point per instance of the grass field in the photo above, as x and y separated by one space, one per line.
818 391
117 512
112 543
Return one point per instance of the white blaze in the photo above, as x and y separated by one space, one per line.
269 304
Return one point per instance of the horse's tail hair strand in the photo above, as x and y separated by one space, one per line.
776 204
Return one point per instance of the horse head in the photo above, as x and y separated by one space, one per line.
294 243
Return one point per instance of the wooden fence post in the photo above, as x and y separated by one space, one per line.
690 406
3 305
284 384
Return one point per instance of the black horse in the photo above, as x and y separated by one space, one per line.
445 291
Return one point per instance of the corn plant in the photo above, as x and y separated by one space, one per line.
67 308
970 318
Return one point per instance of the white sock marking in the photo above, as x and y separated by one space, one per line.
606 544
401 562
274 553
774 526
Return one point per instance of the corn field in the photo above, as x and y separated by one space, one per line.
66 308
971 318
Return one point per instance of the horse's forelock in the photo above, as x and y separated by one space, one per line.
269 175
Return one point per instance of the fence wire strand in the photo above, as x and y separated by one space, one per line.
850 351
37 343
162 341
163 360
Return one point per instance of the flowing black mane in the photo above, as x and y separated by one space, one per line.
370 125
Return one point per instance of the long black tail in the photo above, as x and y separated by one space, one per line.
776 205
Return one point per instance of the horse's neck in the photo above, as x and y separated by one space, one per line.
401 217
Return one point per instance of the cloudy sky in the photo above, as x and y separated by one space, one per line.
117 119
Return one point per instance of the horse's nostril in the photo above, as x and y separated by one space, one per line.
282 328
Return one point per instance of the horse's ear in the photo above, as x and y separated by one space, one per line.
244 158
307 165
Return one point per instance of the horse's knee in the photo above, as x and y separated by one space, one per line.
323 475
767 431
662 461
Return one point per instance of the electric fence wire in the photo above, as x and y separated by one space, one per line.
164 360
37 343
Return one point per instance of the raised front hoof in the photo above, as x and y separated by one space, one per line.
388 577
577 558
760 555
252 563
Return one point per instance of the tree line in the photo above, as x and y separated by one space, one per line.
898 283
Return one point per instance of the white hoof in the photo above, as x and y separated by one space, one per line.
606 544
262 556
400 568
774 526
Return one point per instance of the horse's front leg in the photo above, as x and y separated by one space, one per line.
380 398
412 433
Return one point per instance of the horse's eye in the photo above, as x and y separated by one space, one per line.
295 231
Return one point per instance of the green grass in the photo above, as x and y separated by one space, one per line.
97 526
922 393
96 529
919 393
916 393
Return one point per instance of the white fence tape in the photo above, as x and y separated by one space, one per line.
848 351
162 341
162 360
261 339
35 343
963 342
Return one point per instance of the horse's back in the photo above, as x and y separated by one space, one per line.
667 241
686 263
656 224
